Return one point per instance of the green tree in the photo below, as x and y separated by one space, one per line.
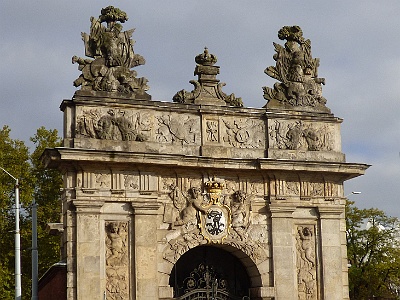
373 253
35 182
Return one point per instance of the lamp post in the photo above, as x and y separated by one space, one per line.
17 241
34 252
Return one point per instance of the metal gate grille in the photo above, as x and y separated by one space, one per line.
209 273
203 294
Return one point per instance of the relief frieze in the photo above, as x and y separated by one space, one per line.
177 129
244 133
114 125
300 135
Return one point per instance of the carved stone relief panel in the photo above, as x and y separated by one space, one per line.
114 124
311 189
306 262
292 188
196 219
131 181
117 260
301 135
181 129
244 133
256 187
212 131
166 181
102 180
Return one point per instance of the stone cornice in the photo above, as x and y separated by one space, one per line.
64 158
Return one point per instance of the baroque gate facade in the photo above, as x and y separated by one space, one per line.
166 200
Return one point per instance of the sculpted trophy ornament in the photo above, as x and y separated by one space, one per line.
111 50
299 87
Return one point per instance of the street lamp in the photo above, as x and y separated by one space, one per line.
17 239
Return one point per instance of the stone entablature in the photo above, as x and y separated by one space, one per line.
201 130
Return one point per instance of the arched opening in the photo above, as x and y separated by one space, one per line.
208 272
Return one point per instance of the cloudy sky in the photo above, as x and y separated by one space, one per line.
358 43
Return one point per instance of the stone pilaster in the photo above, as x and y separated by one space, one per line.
282 251
332 248
88 245
145 246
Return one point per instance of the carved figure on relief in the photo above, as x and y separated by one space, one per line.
244 133
306 271
115 125
212 131
300 136
117 260
299 86
240 214
188 205
175 129
113 57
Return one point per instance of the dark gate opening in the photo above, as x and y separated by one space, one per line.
208 272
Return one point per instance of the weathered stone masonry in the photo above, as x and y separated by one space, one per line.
147 181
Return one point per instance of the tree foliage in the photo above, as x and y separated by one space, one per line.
37 183
373 253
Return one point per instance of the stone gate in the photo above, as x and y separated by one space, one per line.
200 198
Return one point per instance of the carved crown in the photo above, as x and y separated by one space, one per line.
205 58
214 186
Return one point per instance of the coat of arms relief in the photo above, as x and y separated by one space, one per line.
213 217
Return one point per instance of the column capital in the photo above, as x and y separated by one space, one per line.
148 207
281 211
330 212
88 206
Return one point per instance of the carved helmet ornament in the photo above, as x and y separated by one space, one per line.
112 58
207 89
299 87
215 221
